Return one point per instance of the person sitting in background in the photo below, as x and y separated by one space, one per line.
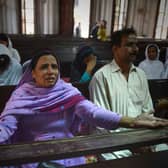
94 30
10 69
44 107
5 40
152 67
101 34
83 65
78 30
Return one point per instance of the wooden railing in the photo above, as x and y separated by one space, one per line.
16 154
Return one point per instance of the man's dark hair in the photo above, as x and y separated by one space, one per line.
116 36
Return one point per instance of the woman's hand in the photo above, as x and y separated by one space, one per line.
91 63
149 122
143 122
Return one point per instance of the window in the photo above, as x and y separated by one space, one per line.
27 16
162 22
120 14
81 18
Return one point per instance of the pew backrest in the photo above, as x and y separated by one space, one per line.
5 93
158 89
66 48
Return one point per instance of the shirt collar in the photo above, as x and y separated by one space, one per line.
116 68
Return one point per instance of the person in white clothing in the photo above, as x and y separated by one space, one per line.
152 66
10 69
119 85
5 40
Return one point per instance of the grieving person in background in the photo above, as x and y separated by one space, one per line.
44 107
10 69
83 65
5 40
152 66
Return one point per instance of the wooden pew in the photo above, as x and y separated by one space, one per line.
16 154
5 93
66 48
158 88
83 87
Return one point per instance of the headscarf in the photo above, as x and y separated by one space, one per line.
13 73
157 51
14 53
152 68
82 53
28 98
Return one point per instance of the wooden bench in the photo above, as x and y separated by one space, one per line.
66 48
5 93
158 89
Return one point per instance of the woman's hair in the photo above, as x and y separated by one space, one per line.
82 53
4 62
41 53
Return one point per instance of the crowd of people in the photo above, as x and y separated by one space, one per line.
44 107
